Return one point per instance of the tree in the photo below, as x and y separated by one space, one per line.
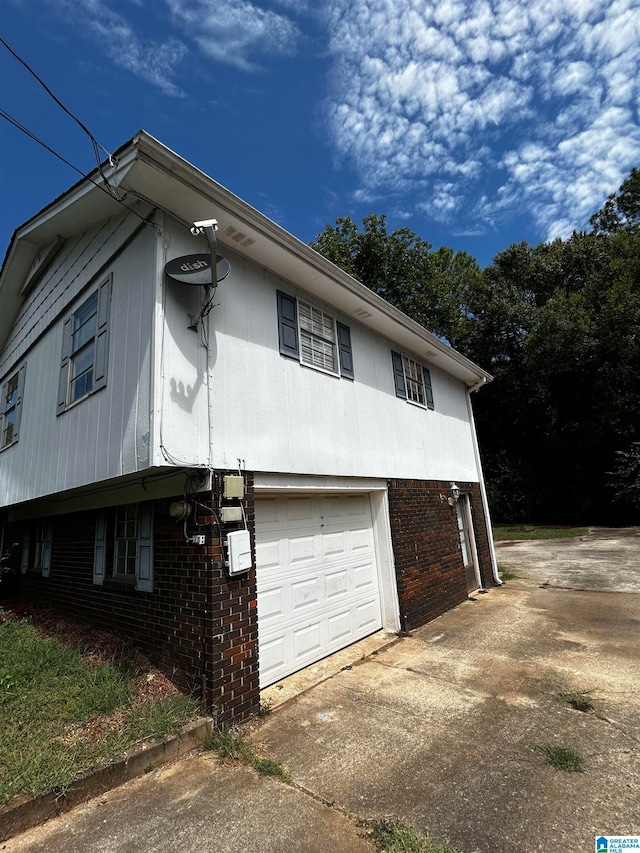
432 287
621 211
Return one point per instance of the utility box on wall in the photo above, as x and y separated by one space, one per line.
239 552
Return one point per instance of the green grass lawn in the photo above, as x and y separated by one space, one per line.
63 711
507 532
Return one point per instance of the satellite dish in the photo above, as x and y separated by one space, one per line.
196 269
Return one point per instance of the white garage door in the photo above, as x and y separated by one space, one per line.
317 578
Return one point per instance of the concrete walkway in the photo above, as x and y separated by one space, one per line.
438 729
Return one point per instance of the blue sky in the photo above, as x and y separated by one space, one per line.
476 124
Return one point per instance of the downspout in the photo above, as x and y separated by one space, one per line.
483 491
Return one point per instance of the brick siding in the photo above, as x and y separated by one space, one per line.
426 547
198 626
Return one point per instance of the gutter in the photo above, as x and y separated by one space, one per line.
483 491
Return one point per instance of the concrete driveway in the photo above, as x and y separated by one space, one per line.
438 729
605 559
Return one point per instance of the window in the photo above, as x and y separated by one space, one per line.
12 391
126 540
83 368
42 551
132 546
314 337
412 380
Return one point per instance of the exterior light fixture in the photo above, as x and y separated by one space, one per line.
455 494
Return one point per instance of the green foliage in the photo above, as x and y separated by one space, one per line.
561 757
624 480
47 692
231 746
578 700
516 532
392 836
431 287
621 211
558 325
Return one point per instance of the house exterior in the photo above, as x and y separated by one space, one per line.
144 419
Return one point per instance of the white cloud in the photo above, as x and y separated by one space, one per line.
234 31
151 60
484 107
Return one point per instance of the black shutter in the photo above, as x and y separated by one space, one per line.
398 375
344 350
287 325
18 410
63 383
101 355
427 387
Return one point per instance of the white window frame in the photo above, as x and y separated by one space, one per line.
138 550
414 381
318 333
126 524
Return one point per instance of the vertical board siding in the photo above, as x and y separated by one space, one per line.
279 415
105 435
77 263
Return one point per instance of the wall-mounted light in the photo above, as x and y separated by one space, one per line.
455 494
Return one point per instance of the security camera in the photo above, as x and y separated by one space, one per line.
206 223
208 227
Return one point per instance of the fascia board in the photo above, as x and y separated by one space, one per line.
168 180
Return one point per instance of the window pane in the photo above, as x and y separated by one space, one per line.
82 385
126 539
414 380
12 393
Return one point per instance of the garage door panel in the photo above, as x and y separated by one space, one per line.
337 584
307 641
306 593
298 509
301 549
317 579
365 577
340 626
367 615
272 604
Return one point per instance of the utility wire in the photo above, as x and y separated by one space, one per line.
105 189
113 191
96 144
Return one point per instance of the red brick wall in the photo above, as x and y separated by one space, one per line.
198 626
426 547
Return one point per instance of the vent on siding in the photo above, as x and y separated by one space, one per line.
238 236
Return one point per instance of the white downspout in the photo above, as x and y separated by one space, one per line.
483 491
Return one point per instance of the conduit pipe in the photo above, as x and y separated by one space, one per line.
483 491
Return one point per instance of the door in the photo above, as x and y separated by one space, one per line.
317 578
466 543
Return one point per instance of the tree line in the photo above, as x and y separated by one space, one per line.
558 326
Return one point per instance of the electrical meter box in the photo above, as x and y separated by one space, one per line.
239 548
233 486
230 514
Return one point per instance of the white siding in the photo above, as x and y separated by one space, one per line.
107 434
280 416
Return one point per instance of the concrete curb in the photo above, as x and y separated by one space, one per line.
26 812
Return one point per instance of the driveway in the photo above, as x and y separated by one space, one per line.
605 559
438 729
